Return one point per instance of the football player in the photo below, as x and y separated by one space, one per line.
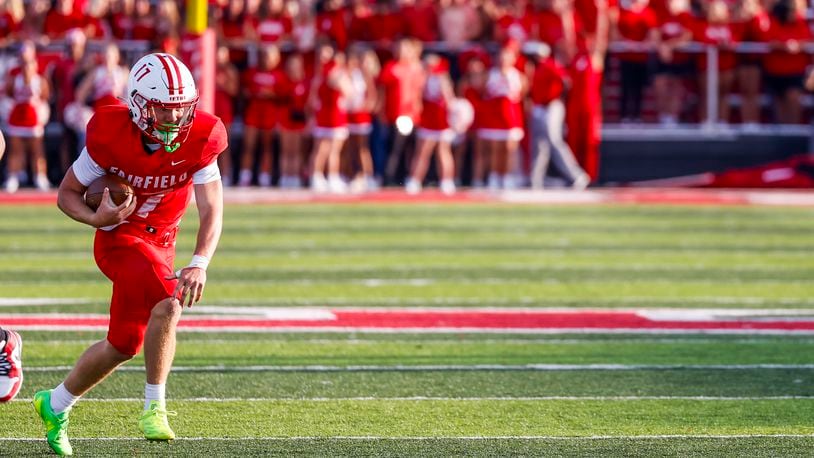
167 151
11 366
11 347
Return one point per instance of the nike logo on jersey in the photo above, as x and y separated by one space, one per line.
174 163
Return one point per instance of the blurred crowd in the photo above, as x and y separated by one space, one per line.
350 95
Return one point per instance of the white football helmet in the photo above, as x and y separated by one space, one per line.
161 81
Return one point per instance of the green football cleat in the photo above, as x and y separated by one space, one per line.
153 423
56 425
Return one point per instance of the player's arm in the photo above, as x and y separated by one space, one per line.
71 196
209 200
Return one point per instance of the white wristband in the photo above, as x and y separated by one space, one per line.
201 262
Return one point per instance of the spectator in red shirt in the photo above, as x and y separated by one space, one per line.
786 64
717 31
227 88
96 27
65 76
11 16
513 22
293 122
233 30
471 87
62 18
332 25
101 85
360 14
261 89
547 122
121 18
458 23
273 25
754 22
384 27
637 24
399 103
303 29
144 22
672 65
420 19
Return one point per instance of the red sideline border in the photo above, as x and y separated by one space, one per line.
417 320
617 196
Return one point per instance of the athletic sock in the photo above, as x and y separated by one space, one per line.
62 399
154 393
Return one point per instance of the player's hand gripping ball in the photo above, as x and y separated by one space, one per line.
118 187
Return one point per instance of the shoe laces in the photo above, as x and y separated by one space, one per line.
5 364
158 411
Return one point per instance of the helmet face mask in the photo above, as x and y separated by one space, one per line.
162 99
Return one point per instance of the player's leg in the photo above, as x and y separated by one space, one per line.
335 182
250 134
266 158
11 365
159 352
446 167
16 163
319 158
421 162
38 163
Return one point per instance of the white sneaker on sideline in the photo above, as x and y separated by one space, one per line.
412 186
319 183
245 178
337 185
581 182
448 187
12 184
42 182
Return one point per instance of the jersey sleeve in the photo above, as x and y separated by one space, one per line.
86 169
95 142
216 144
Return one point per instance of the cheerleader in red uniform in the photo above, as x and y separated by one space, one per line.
363 69
26 123
330 89
262 113
293 122
227 87
502 120
434 129
471 88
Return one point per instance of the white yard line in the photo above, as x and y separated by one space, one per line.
465 399
40 301
435 438
457 367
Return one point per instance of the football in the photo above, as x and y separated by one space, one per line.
118 186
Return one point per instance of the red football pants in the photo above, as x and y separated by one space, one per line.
137 269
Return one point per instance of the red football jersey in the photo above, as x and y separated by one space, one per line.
162 181
782 63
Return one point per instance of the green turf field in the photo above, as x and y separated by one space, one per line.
264 394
